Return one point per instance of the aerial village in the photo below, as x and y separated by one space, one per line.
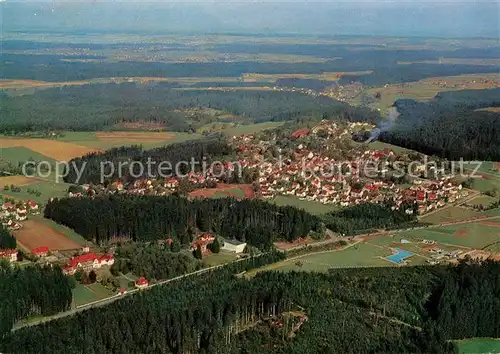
333 174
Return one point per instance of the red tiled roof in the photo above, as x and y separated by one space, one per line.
84 258
300 133
40 250
142 281
9 252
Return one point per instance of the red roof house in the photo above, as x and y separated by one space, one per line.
300 133
142 283
40 251
10 255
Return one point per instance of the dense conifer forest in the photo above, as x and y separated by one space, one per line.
7 240
91 168
31 291
372 310
148 218
450 125
107 106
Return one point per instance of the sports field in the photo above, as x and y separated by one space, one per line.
238 191
478 346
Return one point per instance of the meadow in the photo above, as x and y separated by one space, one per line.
478 345
477 235
84 294
449 214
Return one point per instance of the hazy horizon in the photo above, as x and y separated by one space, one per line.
381 18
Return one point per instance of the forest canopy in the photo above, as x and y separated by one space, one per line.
148 218
450 125
371 310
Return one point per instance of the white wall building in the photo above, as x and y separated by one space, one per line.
234 246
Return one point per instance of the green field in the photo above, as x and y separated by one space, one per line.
48 189
90 139
359 255
478 345
310 206
251 128
84 294
235 192
20 154
472 235
450 214
215 259
484 200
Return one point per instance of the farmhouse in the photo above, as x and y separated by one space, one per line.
203 241
141 283
87 262
40 251
10 255
234 246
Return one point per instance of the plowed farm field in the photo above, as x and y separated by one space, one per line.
58 150
35 234
135 137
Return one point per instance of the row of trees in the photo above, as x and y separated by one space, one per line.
349 311
450 125
147 218
7 240
31 291
368 217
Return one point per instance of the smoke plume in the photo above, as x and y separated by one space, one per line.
385 124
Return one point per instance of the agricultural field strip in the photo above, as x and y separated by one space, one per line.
8 84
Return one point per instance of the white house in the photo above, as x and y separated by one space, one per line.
234 246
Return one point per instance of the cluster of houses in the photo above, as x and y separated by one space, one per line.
149 186
312 175
12 213
9 254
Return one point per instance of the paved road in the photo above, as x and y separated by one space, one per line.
113 298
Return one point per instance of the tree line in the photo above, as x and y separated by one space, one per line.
370 310
31 291
7 240
149 218
369 217
450 125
